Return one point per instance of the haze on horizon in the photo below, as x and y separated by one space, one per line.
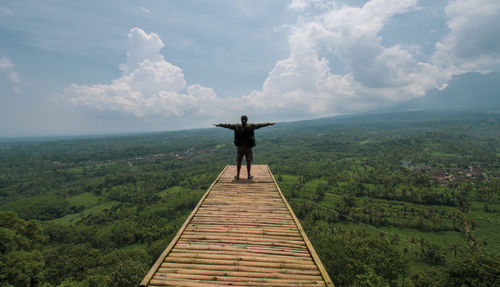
96 67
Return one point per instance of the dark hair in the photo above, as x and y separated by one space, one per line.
244 117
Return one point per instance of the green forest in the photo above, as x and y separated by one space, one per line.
409 199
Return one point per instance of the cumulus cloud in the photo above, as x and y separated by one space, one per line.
473 43
142 46
376 75
149 86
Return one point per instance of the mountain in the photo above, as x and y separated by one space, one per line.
471 92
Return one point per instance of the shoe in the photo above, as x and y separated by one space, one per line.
236 177
250 177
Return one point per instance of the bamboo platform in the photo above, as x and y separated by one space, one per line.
241 233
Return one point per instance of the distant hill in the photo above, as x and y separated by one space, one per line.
470 92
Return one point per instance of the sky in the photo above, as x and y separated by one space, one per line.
97 67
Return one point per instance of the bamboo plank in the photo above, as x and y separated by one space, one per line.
172 259
241 280
247 224
245 196
230 227
215 267
241 257
237 252
251 240
201 284
241 222
239 208
242 233
255 249
238 239
277 283
243 217
245 211
246 242
188 283
241 274
233 234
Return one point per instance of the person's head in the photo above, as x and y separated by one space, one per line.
244 120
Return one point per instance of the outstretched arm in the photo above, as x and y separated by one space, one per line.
258 126
227 126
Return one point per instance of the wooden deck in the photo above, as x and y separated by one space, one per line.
241 233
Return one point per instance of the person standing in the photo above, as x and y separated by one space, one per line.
244 140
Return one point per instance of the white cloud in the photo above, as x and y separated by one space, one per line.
142 46
149 86
303 84
473 43
151 77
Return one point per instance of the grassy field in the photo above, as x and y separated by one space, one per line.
89 210
485 223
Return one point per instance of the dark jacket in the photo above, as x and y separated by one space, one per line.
244 136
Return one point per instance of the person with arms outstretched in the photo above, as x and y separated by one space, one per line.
244 140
